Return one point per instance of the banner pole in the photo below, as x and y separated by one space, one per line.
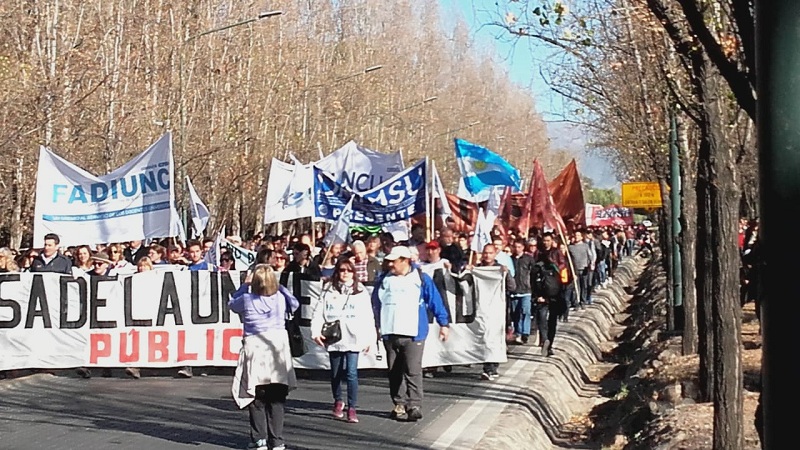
428 201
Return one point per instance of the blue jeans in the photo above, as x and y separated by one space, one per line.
344 364
521 313
601 271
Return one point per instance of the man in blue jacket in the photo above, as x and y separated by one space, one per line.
401 300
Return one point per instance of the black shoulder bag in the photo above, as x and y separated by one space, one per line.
332 331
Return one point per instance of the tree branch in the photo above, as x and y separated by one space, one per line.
737 80
743 15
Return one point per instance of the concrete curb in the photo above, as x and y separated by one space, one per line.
559 387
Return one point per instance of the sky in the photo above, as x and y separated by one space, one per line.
522 61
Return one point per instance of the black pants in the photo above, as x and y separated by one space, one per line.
267 413
404 356
540 319
490 368
555 307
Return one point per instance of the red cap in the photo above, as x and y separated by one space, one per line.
433 244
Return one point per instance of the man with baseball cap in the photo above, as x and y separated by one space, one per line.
401 300
433 251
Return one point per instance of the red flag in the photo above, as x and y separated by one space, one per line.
464 214
567 194
514 216
543 210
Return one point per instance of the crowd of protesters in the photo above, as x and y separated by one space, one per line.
546 278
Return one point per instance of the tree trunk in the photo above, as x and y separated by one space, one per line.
721 197
17 188
687 240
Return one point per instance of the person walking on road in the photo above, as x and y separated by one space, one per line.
520 295
489 259
548 288
347 301
401 301
264 374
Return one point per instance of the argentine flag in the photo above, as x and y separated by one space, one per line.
482 168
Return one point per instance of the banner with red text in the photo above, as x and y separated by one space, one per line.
181 318
608 216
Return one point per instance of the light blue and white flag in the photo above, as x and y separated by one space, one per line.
481 167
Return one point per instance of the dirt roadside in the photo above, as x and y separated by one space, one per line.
650 390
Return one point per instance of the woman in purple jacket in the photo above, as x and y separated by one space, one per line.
264 374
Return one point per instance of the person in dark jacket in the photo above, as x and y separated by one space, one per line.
520 296
49 259
135 251
557 304
302 263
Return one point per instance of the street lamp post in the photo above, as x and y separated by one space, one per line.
182 88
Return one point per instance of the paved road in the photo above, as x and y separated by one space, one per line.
159 412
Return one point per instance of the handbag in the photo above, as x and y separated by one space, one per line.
332 331
297 343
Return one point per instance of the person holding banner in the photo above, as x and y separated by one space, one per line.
346 301
401 301
83 260
264 374
50 260
489 259
157 254
135 251
196 263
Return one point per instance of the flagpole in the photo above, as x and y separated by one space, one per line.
428 202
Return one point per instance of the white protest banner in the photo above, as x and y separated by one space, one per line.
134 202
175 318
360 169
289 192
243 258
476 301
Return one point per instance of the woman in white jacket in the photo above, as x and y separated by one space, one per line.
346 300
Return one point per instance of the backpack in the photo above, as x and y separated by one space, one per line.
545 280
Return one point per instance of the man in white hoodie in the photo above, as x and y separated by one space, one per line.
401 300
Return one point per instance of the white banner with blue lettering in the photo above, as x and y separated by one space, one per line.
134 202
360 169
399 198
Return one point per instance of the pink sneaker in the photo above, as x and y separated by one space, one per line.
351 415
338 409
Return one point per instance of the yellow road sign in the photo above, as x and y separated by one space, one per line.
646 194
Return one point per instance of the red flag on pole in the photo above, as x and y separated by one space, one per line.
544 214
567 195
